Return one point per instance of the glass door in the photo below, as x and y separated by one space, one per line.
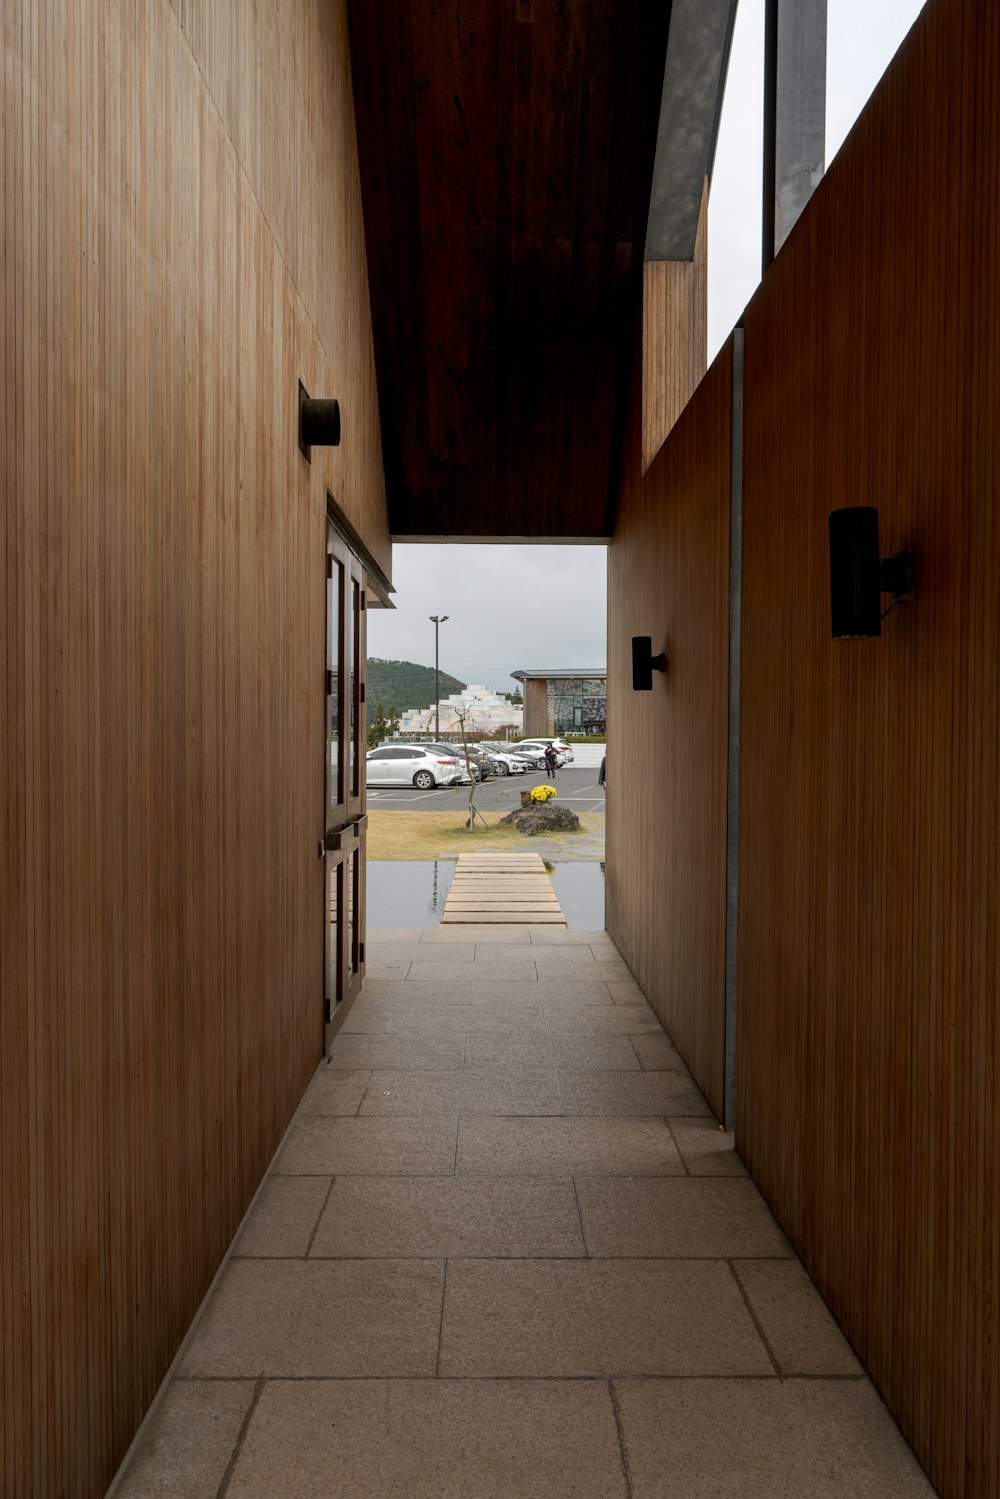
345 818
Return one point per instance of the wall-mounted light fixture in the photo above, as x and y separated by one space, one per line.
644 663
319 423
859 575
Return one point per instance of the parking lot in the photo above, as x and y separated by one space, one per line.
577 789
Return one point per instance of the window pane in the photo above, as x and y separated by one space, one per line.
335 875
356 666
352 954
334 613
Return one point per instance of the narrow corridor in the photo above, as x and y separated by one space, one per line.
506 1251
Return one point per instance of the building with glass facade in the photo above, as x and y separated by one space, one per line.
564 701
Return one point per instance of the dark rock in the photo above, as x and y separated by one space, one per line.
544 817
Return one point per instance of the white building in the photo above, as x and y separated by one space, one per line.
487 714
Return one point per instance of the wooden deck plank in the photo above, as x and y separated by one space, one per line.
514 890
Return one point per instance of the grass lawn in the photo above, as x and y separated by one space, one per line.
436 835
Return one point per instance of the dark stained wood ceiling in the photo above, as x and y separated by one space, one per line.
506 151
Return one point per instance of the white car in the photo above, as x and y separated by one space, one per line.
411 765
533 750
509 765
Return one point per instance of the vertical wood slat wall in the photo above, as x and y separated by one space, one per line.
867 1104
668 577
182 242
674 337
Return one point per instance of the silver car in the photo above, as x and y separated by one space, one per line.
411 765
507 764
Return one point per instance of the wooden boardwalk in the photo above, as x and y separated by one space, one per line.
498 888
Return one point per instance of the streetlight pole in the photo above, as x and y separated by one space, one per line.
436 621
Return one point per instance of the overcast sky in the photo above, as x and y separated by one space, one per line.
515 606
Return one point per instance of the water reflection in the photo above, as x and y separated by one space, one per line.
580 888
408 892
412 892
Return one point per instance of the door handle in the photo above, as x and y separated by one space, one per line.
333 842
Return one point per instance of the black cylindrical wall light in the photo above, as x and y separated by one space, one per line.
644 663
319 423
855 594
859 575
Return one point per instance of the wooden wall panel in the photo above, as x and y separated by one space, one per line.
176 253
674 337
668 576
867 1104
536 721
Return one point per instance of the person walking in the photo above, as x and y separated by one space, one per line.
550 758
601 774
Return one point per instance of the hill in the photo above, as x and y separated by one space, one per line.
405 684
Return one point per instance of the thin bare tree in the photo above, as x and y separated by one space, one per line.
463 717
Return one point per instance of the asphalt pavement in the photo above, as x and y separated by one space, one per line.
578 789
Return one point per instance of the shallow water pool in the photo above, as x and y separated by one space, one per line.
410 893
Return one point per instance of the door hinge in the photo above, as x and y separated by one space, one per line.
329 684
363 687
361 952
329 564
364 601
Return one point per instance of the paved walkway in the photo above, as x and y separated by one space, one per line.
505 1251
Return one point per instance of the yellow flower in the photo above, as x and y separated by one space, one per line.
542 793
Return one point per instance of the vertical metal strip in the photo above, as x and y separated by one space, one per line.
733 776
769 179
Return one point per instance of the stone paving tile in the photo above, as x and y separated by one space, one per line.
601 1020
551 1318
626 992
570 991
764 1439
185 1451
484 1091
383 970
518 1020
437 1052
450 1216
576 1147
459 952
369 1147
564 937
707 1149
651 1217
795 1320
301 1318
510 936
431 1439
391 952
486 952
632 1092
284 1216
369 1016
332 1092
416 990
519 968
578 1053
657 1052
390 934
610 972
568 958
